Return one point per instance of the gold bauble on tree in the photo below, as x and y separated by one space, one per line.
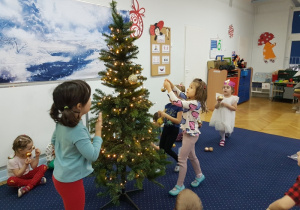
132 79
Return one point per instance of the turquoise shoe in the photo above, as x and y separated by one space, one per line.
197 181
176 190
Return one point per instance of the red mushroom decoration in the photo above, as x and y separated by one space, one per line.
268 53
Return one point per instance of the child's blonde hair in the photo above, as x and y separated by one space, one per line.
188 200
201 93
21 143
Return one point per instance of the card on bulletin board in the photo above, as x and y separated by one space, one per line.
161 52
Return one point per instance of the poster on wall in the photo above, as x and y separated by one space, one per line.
52 40
215 48
160 40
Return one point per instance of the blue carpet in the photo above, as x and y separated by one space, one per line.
250 172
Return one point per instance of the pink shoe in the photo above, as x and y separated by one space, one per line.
222 143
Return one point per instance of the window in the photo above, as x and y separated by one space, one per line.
296 22
295 53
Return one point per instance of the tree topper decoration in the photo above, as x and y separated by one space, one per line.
136 18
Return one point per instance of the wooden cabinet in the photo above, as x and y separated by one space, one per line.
215 82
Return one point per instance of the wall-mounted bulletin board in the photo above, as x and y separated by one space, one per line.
161 52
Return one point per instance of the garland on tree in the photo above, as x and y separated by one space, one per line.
126 154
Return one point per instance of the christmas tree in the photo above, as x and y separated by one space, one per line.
126 154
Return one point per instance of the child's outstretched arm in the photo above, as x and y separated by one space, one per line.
90 150
286 202
190 105
176 120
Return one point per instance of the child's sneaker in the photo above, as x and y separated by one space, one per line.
197 181
222 143
43 180
176 190
176 169
23 190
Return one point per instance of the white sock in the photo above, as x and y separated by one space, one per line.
199 175
222 134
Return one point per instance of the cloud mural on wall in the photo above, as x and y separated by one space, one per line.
51 40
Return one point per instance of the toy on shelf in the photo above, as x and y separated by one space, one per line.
240 63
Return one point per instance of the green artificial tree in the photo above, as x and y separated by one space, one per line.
126 154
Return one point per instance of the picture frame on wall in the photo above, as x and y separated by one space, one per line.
160 42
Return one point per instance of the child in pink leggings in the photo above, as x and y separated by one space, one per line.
194 101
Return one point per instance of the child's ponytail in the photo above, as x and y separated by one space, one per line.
69 117
65 116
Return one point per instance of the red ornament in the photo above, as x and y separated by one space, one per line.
136 18
230 31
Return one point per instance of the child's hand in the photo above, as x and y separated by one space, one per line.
37 152
27 161
172 85
161 113
98 125
167 85
224 104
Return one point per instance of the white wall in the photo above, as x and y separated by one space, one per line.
272 16
24 109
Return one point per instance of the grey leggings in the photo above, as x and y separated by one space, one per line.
187 151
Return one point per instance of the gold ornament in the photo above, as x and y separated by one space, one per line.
132 79
219 98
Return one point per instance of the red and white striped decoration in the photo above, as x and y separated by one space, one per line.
230 31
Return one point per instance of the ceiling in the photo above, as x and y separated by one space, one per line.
295 2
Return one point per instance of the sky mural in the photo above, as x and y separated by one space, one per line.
51 40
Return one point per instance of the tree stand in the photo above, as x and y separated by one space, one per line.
124 197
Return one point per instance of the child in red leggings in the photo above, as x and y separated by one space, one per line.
18 169
74 150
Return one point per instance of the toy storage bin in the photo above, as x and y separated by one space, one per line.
244 72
